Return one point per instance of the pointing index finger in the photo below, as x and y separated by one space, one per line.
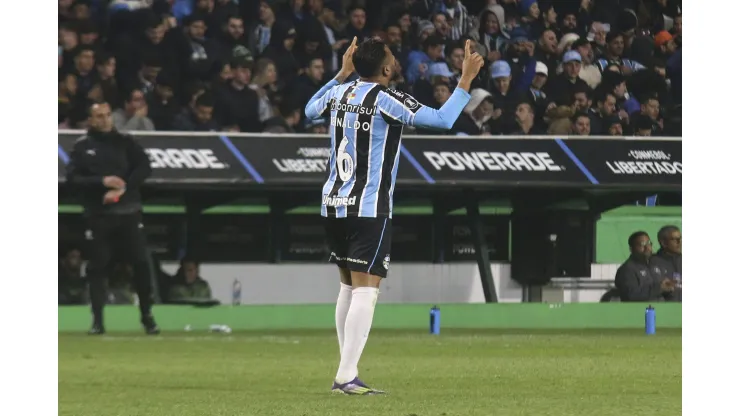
467 49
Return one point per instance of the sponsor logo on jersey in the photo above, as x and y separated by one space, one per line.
352 108
646 162
184 159
338 201
493 161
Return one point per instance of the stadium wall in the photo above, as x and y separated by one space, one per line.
396 316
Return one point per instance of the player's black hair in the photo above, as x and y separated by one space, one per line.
632 240
369 57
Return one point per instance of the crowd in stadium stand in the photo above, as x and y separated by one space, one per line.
579 67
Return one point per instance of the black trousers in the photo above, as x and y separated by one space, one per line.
116 236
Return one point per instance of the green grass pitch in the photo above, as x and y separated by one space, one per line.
460 373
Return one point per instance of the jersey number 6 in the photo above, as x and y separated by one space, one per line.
345 164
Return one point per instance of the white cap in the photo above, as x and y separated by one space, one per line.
540 68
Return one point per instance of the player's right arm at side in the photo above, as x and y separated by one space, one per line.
318 104
404 109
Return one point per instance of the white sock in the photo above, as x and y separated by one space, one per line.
340 315
356 331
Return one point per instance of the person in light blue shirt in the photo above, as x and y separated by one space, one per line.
366 122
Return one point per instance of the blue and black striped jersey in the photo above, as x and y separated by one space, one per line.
366 122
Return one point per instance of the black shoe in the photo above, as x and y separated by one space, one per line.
150 326
97 329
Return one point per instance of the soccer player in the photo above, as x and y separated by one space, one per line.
366 123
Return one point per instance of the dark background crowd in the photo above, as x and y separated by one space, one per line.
579 67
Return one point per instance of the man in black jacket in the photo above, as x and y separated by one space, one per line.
670 253
642 277
106 169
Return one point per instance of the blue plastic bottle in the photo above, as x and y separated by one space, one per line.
434 320
650 320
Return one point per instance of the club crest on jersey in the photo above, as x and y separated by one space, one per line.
387 261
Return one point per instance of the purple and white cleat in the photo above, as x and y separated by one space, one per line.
355 387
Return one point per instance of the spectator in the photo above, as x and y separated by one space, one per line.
133 115
89 34
188 285
589 72
199 118
581 124
84 69
582 98
565 43
442 92
260 32
288 117
231 36
106 66
68 41
436 72
669 238
198 52
458 13
548 19
559 120
641 278
475 117
567 83
613 126
394 40
643 125
419 61
163 108
525 121
536 96
67 100
425 28
650 107
264 84
328 20
310 81
357 26
454 54
441 27
547 51
613 55
72 284
489 34
236 103
151 66
280 51
605 108
505 99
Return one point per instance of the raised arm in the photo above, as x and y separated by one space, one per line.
402 108
320 101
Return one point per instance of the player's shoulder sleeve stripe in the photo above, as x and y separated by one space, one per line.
407 100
